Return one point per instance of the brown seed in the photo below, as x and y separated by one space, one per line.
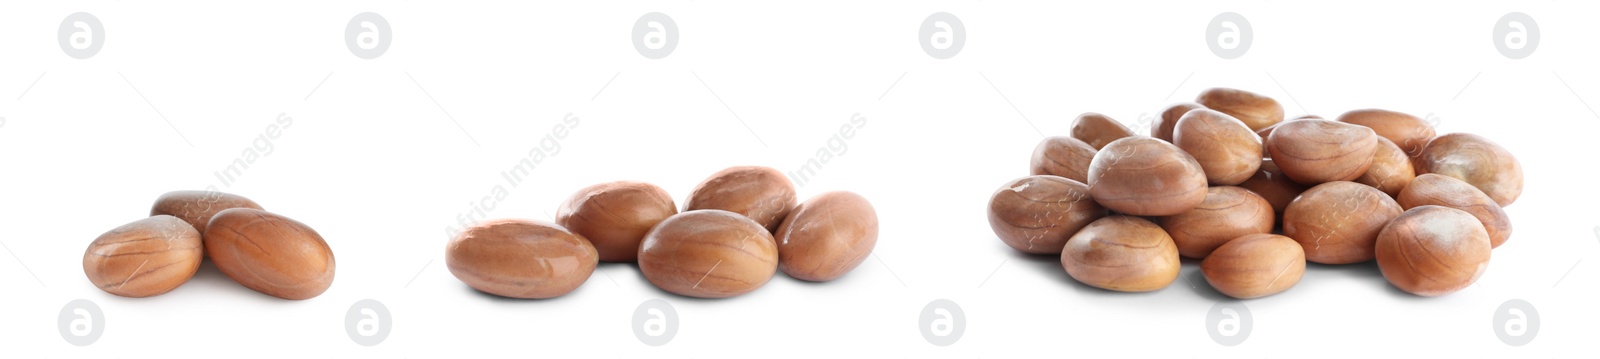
1227 213
1097 130
1227 151
1338 222
1408 132
1062 156
1255 110
1265 132
1271 184
1144 176
614 216
147 257
197 207
1316 151
827 236
1037 214
1438 190
269 253
761 193
1433 250
1164 124
1391 169
1477 161
1122 253
708 254
1255 266
521 258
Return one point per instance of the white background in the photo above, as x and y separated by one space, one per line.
380 168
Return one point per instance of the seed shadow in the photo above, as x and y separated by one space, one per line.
1195 280
1363 270
608 272
842 281
1047 264
210 279
1397 293
1366 271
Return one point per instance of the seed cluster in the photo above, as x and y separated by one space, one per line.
1227 180
263 251
737 229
